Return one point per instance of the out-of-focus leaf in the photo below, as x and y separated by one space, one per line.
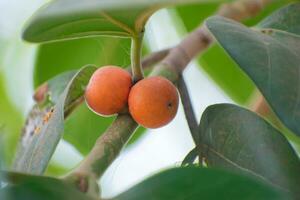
83 127
1 151
69 19
223 70
28 187
237 139
199 183
56 170
55 58
10 123
36 149
286 19
257 54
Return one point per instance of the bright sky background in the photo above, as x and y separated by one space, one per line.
157 149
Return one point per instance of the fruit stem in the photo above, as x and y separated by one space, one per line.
136 54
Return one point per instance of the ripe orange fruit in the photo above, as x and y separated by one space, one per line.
108 90
153 102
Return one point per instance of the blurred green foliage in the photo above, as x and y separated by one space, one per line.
11 122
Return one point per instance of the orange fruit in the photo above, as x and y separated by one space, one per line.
153 102
108 90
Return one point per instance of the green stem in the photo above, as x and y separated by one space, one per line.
136 54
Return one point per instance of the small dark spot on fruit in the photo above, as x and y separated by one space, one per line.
169 105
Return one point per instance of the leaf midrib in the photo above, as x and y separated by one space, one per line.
229 161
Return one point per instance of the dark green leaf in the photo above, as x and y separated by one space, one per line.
271 60
69 19
39 142
286 19
237 139
190 157
199 183
28 187
227 74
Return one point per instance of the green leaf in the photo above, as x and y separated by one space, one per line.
286 19
37 145
223 70
28 187
53 88
190 157
56 170
239 140
257 54
69 19
58 84
199 183
10 123
50 61
227 74
1 150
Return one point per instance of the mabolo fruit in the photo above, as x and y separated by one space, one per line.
153 102
108 90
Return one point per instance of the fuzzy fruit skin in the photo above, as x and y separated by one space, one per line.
153 102
108 90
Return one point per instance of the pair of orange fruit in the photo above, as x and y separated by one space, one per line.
152 102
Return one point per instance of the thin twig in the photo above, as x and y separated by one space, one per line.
154 58
191 120
188 109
